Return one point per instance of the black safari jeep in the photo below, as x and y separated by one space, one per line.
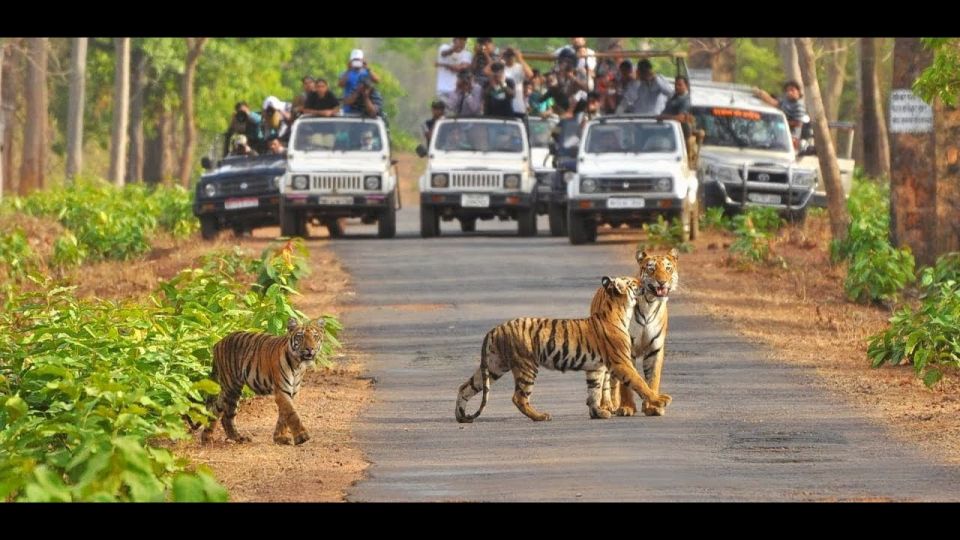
241 193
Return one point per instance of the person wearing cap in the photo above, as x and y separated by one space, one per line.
585 60
276 118
515 68
321 101
647 94
437 108
451 59
241 148
499 94
484 56
467 98
356 72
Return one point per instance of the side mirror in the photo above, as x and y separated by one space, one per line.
206 163
421 150
394 162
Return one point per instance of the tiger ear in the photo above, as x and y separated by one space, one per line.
641 255
674 253
292 324
605 281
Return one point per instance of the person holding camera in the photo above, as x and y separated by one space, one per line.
484 56
276 119
366 100
467 98
244 122
356 72
515 68
584 60
241 148
451 59
499 93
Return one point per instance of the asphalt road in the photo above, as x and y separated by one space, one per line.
741 427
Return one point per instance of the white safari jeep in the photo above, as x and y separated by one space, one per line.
630 169
479 169
747 156
338 167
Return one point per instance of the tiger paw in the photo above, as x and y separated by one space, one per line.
241 439
600 413
650 410
301 438
626 410
544 417
283 439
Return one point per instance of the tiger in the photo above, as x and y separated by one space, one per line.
659 276
596 345
267 364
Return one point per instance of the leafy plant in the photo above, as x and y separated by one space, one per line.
664 235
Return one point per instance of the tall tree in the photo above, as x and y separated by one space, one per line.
78 78
121 111
788 57
8 97
135 162
716 54
31 164
3 115
194 49
835 57
876 143
826 152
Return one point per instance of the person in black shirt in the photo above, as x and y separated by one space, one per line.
437 108
499 93
321 102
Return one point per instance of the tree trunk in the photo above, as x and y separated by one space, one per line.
8 96
836 64
716 54
945 235
827 154
78 74
139 85
31 172
913 183
121 111
194 48
788 58
3 117
876 143
858 111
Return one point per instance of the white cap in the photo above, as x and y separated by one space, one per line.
356 54
275 102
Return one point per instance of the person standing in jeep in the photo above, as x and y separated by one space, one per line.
499 94
647 94
791 104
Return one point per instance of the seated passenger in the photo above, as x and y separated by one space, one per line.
368 142
657 143
275 147
606 141
241 148
455 140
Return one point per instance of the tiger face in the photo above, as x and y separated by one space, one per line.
626 287
305 340
658 273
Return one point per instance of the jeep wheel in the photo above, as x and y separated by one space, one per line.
579 230
209 227
387 224
468 224
290 222
429 221
557 214
527 221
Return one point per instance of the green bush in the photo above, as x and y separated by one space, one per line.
89 388
666 235
716 219
929 336
877 271
16 257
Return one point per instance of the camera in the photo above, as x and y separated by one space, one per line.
241 116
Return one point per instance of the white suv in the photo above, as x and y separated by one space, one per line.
338 167
630 169
479 169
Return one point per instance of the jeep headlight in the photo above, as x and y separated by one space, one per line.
277 180
568 176
371 182
588 185
439 180
300 181
664 184
722 174
210 190
511 181
805 178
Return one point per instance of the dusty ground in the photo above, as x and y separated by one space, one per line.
802 314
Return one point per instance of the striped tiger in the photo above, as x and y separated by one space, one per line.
268 365
648 332
598 344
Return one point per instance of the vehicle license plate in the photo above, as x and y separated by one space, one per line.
236 204
766 198
474 200
625 203
336 200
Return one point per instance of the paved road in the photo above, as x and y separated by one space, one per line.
741 427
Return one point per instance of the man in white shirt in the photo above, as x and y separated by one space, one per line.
517 69
451 59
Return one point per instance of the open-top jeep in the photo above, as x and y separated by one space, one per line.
241 193
479 169
631 169
339 167
541 159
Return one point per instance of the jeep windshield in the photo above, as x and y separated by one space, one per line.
631 138
743 128
337 136
466 136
